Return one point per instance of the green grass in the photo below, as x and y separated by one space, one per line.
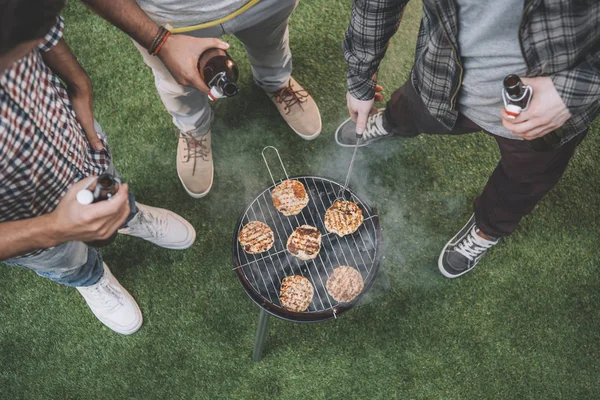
524 324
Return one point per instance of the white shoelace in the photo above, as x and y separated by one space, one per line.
375 126
473 245
106 295
150 225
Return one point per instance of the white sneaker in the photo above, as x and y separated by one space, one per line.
112 304
161 227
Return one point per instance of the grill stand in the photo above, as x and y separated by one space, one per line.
261 335
263 319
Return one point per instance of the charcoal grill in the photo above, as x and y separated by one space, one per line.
261 274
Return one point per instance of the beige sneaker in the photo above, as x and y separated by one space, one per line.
298 109
195 164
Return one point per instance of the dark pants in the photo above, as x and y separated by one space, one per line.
518 183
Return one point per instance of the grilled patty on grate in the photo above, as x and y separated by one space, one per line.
296 293
343 217
345 284
256 237
305 242
289 197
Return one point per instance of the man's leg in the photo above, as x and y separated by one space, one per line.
518 183
192 116
264 31
77 265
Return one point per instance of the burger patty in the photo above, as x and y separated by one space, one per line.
343 217
256 237
345 284
305 242
289 197
296 293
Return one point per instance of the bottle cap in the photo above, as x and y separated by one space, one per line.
512 110
85 197
215 93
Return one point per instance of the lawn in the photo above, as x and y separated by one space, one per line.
524 325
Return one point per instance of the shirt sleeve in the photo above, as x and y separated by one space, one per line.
52 37
579 87
372 24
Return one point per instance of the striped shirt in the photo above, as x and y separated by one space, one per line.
43 149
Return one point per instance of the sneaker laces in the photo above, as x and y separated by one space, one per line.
472 246
105 294
148 224
196 148
375 126
291 97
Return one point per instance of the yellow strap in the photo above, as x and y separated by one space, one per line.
213 23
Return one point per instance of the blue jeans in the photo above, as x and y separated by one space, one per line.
70 263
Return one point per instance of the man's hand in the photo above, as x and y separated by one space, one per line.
546 111
180 55
360 109
83 105
97 221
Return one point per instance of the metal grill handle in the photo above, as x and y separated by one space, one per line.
280 162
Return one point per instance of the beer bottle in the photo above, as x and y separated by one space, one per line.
106 187
517 97
219 72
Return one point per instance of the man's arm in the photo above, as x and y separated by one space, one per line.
63 63
179 53
128 17
580 87
70 221
372 24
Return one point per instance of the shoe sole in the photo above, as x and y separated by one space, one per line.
350 145
440 258
198 195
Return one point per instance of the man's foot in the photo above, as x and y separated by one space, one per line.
161 227
112 304
462 253
345 135
195 164
298 109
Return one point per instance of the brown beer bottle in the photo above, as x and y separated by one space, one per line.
516 98
106 187
219 72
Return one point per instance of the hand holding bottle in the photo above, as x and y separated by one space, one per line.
180 55
546 112
73 221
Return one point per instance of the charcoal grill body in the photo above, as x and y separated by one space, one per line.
261 274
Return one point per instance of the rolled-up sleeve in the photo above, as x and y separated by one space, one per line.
52 37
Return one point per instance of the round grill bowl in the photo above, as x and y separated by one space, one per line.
261 274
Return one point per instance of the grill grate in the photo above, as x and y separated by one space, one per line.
261 274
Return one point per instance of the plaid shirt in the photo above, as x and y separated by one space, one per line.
558 38
43 149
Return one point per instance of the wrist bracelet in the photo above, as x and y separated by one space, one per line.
158 40
161 43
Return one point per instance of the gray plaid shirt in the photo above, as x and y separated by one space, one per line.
558 38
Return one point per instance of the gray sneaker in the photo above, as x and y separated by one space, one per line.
345 135
462 253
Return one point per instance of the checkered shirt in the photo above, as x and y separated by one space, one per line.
43 149
558 38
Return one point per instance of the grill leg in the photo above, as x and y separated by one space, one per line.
261 335
384 282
